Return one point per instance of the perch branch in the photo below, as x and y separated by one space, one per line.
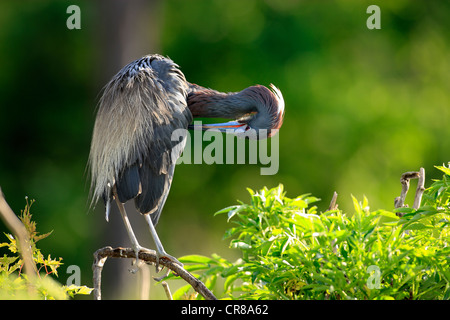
21 234
102 254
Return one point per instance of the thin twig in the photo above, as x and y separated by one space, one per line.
167 290
420 189
333 204
102 254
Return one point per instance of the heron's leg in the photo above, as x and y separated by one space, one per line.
136 246
160 252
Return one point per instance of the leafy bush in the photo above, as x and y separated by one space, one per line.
15 285
291 251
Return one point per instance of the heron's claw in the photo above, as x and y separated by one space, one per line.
164 255
137 262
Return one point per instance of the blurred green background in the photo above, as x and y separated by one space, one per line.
362 107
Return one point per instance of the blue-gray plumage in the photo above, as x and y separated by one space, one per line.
132 154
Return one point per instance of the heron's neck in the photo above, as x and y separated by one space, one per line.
209 103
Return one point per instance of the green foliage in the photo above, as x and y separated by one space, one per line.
15 285
290 251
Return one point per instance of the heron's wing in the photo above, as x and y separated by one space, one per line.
133 147
155 189
128 183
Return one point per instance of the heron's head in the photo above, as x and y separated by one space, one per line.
259 113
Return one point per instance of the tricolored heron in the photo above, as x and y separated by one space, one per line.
132 155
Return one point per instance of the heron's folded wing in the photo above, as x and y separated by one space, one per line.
128 184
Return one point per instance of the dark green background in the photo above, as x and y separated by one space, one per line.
362 107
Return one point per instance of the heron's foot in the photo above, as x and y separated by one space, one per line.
137 262
165 255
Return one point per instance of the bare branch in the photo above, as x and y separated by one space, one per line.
21 235
333 204
404 180
420 189
102 254
97 267
167 290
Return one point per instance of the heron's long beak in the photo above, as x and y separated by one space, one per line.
229 127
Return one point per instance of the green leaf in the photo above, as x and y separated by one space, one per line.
443 169
73 290
196 267
232 211
181 292
197 259
236 244
42 236
227 209
389 215
416 226
229 281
